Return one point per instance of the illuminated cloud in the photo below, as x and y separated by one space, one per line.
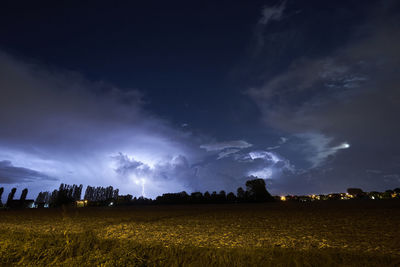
318 84
264 164
264 155
319 148
264 173
86 132
58 124
239 144
171 174
227 152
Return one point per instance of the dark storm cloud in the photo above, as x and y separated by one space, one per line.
10 174
325 85
343 107
62 125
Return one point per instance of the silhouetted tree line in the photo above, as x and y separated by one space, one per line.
65 195
255 192
22 202
358 193
102 196
69 194
108 196
100 193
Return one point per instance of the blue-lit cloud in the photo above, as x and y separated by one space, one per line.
239 144
60 127
328 118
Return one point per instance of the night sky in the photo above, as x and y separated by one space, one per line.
164 96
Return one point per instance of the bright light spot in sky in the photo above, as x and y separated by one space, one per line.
346 145
343 145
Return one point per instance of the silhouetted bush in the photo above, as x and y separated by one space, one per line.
256 191
196 197
231 197
221 196
207 197
387 194
173 198
241 194
124 200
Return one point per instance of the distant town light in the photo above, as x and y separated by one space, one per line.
283 198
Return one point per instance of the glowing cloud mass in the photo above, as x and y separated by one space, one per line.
184 98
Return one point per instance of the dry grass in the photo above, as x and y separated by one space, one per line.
329 233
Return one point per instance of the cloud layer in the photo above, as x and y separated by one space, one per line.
10 174
345 102
66 127
61 127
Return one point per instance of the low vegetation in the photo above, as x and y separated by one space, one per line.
350 233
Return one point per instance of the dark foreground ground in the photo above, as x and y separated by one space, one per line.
329 233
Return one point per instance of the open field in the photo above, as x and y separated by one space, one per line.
350 233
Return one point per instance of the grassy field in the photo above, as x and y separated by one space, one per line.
329 233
